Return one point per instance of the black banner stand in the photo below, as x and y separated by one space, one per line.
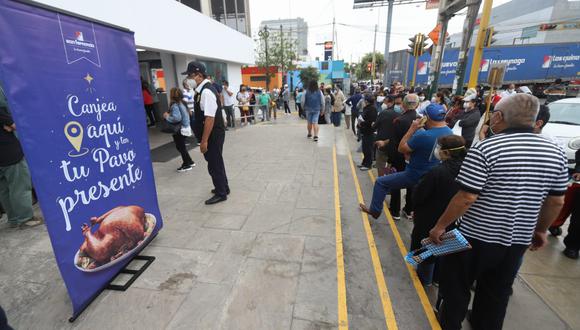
135 272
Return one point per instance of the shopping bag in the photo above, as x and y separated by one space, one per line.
451 242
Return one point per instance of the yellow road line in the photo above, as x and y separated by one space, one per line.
341 278
416 282
379 276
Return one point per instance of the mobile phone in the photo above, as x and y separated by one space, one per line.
423 121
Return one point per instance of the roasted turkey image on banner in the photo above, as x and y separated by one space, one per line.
73 88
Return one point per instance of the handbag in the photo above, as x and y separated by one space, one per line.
170 128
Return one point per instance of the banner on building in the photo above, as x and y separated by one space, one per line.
74 91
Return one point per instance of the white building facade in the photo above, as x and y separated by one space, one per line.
294 30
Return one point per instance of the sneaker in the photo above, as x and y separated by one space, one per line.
395 215
571 253
364 168
555 231
32 222
316 139
308 136
185 168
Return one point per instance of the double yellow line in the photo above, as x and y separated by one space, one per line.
387 305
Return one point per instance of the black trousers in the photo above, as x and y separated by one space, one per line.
287 107
215 163
368 141
572 240
353 118
149 110
179 141
300 110
494 267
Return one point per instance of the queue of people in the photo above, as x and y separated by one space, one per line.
453 182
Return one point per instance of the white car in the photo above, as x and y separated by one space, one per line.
564 126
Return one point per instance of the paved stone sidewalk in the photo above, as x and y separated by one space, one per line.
265 259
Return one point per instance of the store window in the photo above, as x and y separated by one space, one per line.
217 70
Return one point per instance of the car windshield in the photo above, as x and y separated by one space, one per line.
565 113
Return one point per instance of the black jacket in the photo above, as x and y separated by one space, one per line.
10 149
468 123
369 116
431 196
385 124
401 125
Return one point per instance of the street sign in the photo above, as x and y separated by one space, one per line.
434 34
328 50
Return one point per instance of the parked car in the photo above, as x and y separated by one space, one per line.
564 126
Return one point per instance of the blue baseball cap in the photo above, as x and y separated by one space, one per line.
435 112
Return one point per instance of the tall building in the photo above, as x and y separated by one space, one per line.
531 22
170 33
233 13
294 29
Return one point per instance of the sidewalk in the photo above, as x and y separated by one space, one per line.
266 258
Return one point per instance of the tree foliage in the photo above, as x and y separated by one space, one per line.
308 74
361 71
281 52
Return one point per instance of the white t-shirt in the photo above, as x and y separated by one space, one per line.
188 98
208 101
228 100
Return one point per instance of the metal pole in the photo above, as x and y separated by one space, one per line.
282 53
468 25
415 62
332 53
225 13
435 65
478 51
374 57
386 78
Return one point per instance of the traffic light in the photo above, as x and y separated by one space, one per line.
418 45
369 67
489 37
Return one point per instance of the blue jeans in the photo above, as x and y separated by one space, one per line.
312 116
385 184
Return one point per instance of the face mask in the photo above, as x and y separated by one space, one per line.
384 106
433 100
421 98
466 105
192 83
398 108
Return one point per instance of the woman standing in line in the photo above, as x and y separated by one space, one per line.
327 104
148 101
179 116
313 102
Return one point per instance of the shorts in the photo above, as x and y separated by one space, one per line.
381 158
312 116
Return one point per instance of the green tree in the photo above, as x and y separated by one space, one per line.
281 52
361 70
308 74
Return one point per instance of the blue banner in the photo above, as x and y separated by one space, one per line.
74 90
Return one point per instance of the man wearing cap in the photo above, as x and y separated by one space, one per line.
419 143
209 129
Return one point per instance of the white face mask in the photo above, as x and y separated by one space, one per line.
421 98
437 151
384 106
466 105
192 83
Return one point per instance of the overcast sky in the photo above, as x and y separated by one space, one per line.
356 39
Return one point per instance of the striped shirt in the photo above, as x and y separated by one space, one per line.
512 173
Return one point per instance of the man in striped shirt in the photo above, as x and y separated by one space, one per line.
511 186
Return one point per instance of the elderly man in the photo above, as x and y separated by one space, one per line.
419 143
511 185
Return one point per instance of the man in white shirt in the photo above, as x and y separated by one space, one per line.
228 97
509 92
209 129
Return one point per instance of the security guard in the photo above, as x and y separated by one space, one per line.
209 128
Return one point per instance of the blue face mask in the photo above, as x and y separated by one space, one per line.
397 108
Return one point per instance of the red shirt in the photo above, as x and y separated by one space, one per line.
147 98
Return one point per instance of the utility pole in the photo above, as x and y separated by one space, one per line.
282 52
374 57
386 78
468 25
333 49
478 51
265 34
436 58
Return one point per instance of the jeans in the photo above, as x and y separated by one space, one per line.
16 192
335 118
179 141
230 117
265 115
385 184
312 116
425 271
286 107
